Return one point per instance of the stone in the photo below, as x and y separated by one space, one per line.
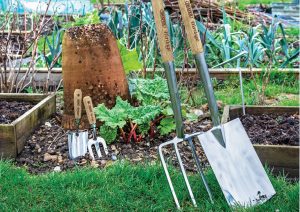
114 157
48 124
60 159
103 162
113 147
94 164
48 157
198 112
37 146
57 169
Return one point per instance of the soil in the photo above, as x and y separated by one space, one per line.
10 111
47 149
272 129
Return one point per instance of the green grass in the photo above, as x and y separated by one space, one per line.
292 31
282 90
243 4
120 187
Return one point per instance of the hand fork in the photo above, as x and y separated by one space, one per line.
95 141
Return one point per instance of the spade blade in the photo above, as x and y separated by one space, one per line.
237 167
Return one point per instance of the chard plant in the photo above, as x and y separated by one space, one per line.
152 115
131 122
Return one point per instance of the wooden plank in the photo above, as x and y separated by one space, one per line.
225 117
278 155
13 136
28 122
236 111
290 173
34 98
7 141
219 73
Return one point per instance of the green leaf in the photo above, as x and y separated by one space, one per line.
168 111
108 133
191 117
130 58
144 128
144 114
150 91
89 18
167 125
117 116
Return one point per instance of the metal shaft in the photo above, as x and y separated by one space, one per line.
199 168
174 95
208 88
94 131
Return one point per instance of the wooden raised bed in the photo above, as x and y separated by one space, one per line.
13 135
281 158
218 73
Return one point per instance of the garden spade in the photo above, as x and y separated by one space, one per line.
95 141
167 57
229 151
77 140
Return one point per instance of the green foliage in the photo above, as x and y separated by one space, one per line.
123 113
143 114
283 89
108 133
54 45
167 125
191 117
89 18
293 31
141 187
150 91
243 4
115 117
30 89
130 58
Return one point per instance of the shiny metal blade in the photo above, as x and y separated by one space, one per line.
237 167
77 143
218 132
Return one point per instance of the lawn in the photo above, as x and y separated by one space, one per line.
121 187
243 4
282 90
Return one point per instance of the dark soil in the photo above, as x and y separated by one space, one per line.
10 111
272 129
47 149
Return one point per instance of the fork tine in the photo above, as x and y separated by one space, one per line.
102 141
168 175
97 146
187 183
90 143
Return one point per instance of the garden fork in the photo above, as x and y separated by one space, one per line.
167 57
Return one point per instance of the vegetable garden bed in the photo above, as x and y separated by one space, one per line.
21 114
274 134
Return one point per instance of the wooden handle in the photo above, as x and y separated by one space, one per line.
88 105
162 31
190 26
77 103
